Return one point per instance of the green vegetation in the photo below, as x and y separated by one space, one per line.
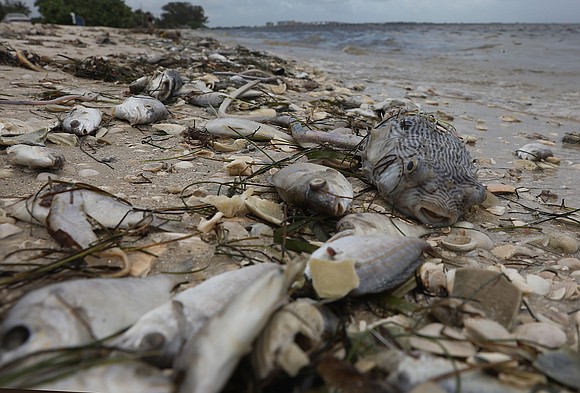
115 13
10 6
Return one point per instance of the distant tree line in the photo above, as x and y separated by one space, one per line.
115 13
16 6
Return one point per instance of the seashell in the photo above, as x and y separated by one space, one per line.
489 334
206 226
235 145
7 229
161 85
461 243
233 127
367 223
433 278
534 152
67 314
561 365
316 188
82 120
372 263
239 166
169 128
35 157
541 335
265 209
140 110
291 334
63 139
507 251
496 210
229 206
280 88
210 356
537 285
482 241
439 339
565 243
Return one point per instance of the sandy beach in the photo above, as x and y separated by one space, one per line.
169 166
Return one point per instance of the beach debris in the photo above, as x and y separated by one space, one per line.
63 139
442 340
233 127
111 376
470 236
363 264
459 243
541 335
292 334
265 209
70 313
367 223
209 356
239 165
433 278
509 119
35 157
488 291
229 206
163 330
561 365
571 137
23 136
82 121
534 152
140 110
422 168
162 85
314 187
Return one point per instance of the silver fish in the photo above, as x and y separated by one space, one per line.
381 262
534 152
35 157
78 312
210 356
233 127
164 330
317 188
368 223
140 110
162 85
82 121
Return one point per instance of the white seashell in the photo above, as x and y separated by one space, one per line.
565 243
380 262
82 120
459 243
239 166
63 139
7 229
278 344
442 340
236 145
489 334
206 226
229 206
482 241
35 157
433 278
538 285
236 128
169 128
267 210
496 210
140 110
541 335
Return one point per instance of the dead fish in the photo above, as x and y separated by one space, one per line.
33 138
162 85
210 356
127 376
368 223
78 312
163 331
140 110
237 127
534 152
359 265
317 188
82 121
212 99
36 157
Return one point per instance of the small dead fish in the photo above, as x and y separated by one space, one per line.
36 157
162 85
78 312
164 330
359 265
82 121
368 223
140 110
317 188
534 152
212 99
210 356
233 127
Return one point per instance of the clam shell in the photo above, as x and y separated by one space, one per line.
541 335
380 262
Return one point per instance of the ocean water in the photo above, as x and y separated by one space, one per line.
477 73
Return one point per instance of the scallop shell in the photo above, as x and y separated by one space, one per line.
378 262
35 157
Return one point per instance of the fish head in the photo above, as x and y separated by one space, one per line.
78 127
45 324
164 85
323 198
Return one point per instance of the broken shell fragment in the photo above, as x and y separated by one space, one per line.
439 339
460 243
291 334
229 206
239 166
433 278
380 263
541 335
35 157
140 110
266 210
82 120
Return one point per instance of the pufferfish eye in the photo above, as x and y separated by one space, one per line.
411 165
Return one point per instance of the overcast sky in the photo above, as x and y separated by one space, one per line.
258 12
